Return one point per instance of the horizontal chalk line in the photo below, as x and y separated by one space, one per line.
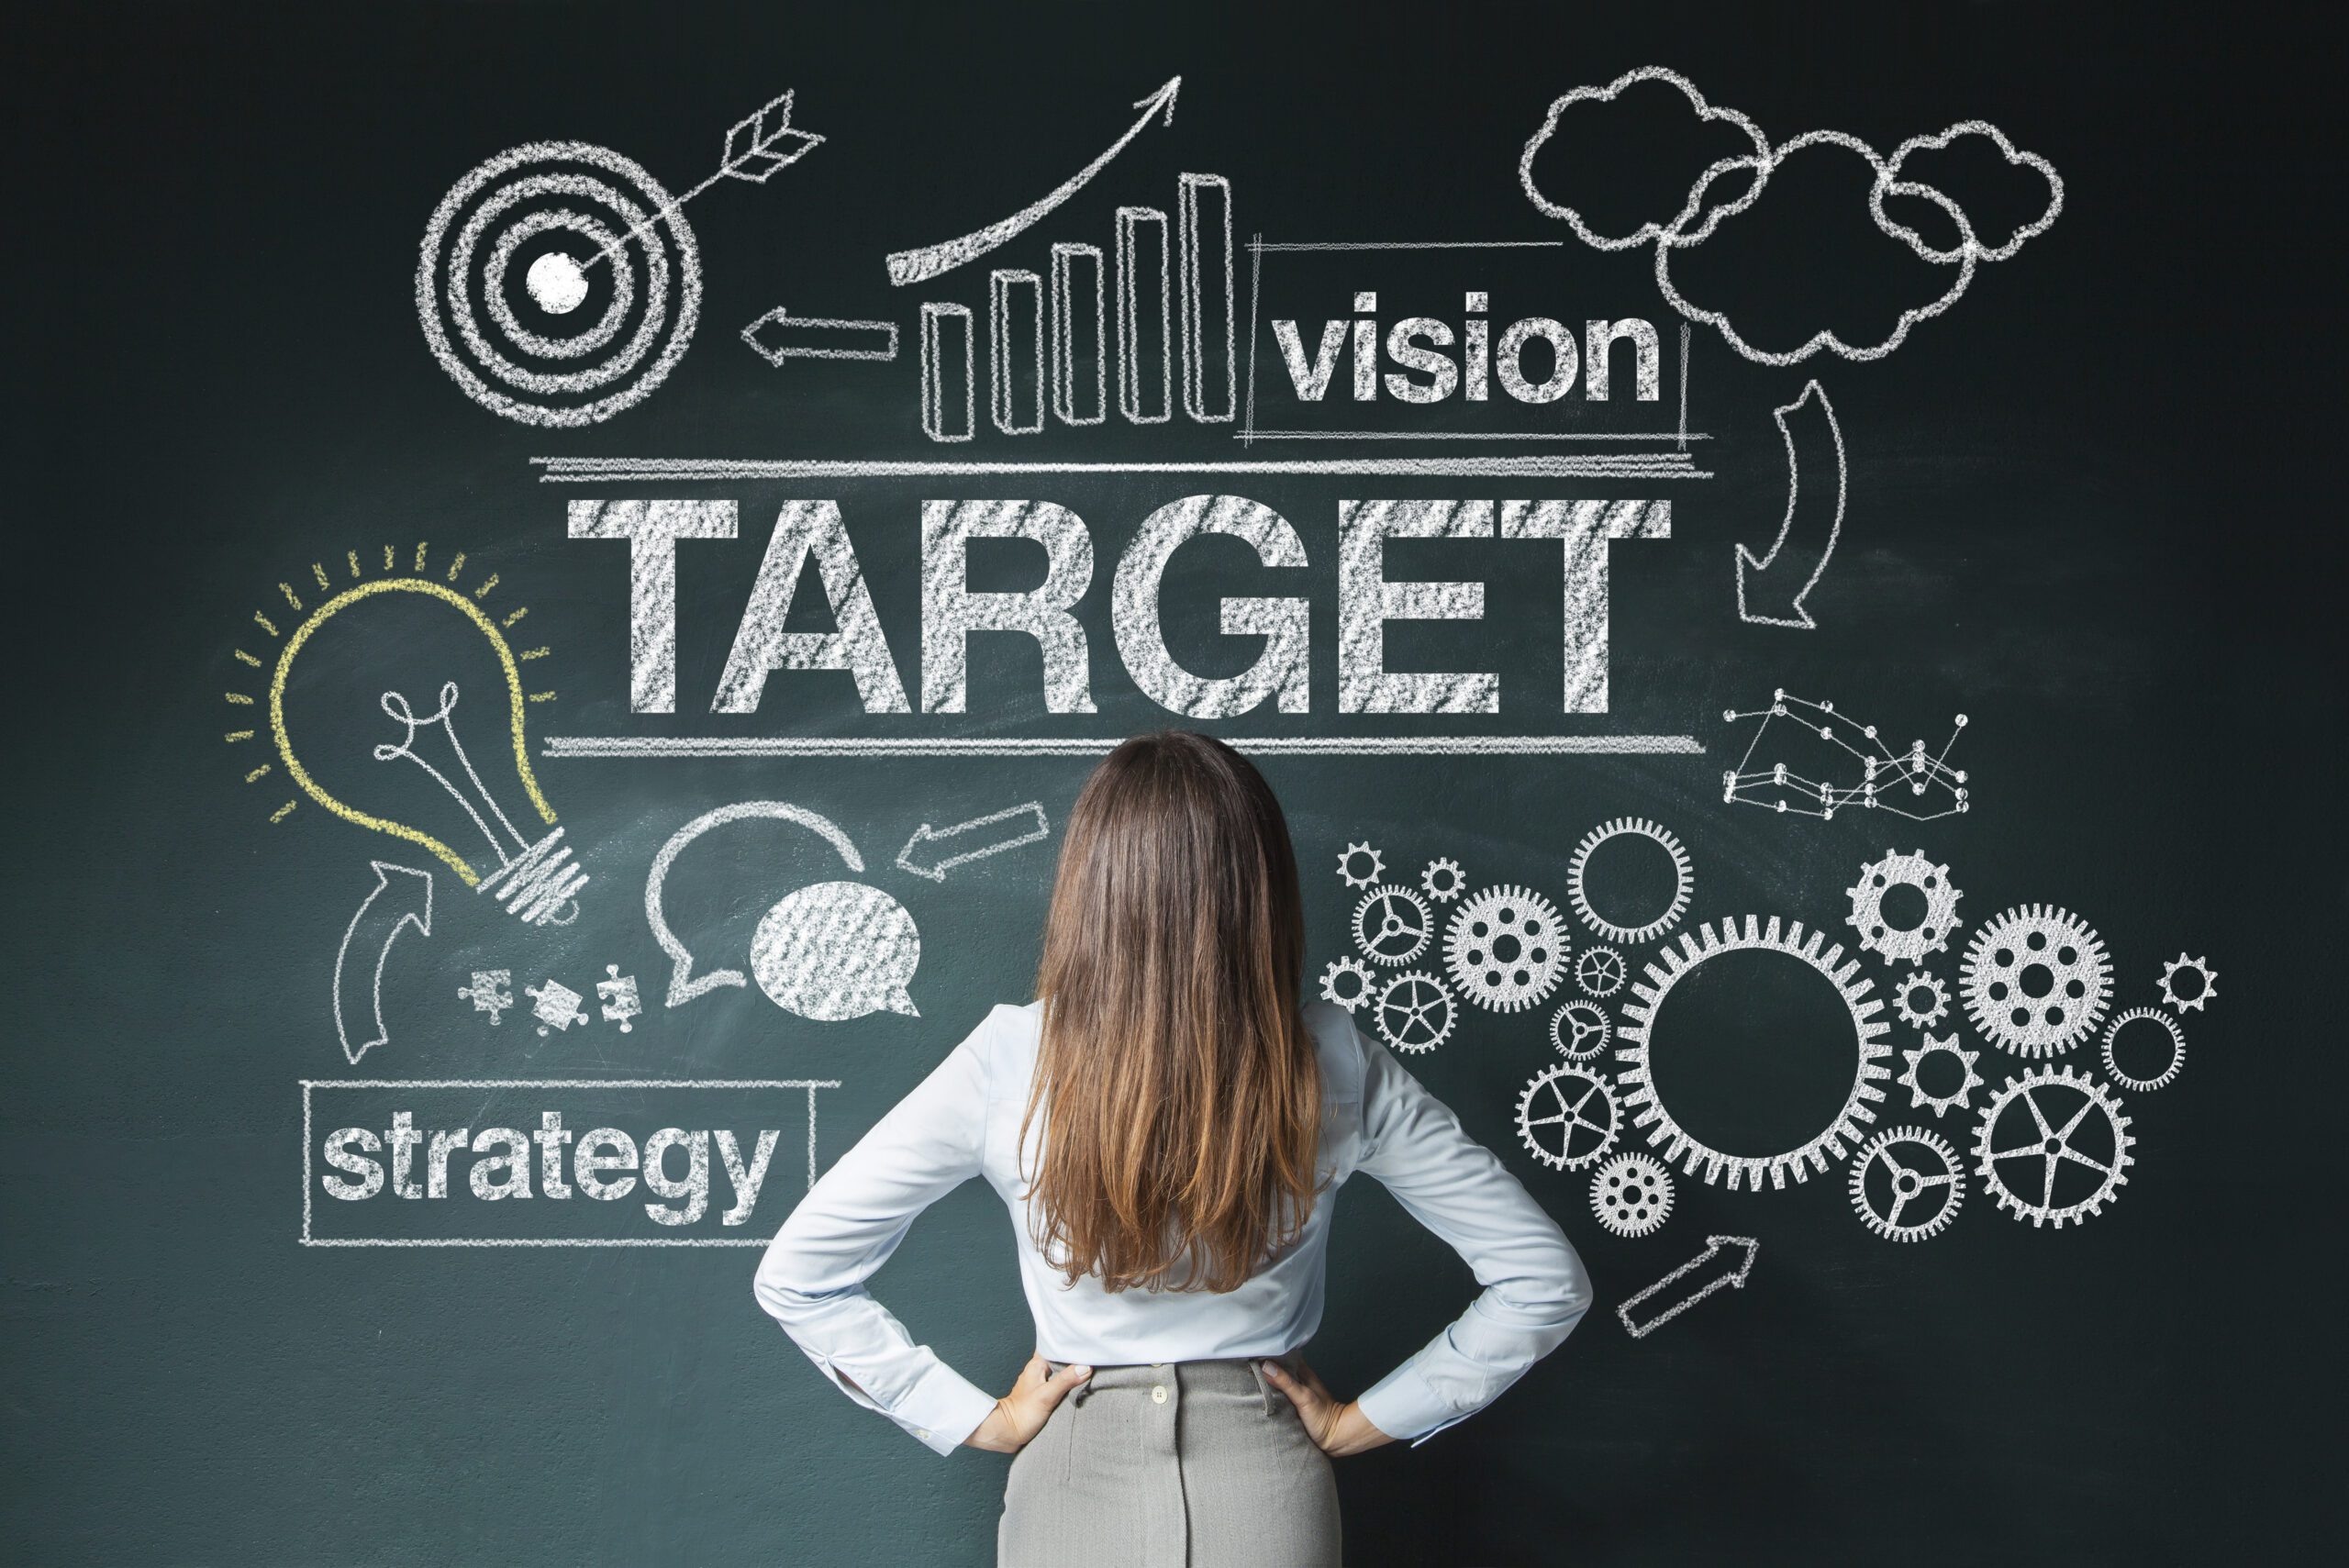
1409 245
530 1242
571 1083
1665 437
1643 466
644 746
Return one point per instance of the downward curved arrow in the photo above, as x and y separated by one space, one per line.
1770 591
388 909
930 260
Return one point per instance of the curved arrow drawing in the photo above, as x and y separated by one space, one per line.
388 909
1767 593
1705 1283
930 260
976 843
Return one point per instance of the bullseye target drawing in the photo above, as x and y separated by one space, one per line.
558 284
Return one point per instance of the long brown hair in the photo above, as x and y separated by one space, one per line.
1180 1093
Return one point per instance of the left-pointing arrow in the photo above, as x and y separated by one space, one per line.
402 896
778 336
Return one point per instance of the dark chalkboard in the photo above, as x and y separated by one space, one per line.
2076 500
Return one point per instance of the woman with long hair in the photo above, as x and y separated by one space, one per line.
1170 1126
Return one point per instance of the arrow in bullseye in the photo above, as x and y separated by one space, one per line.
1689 1283
1770 591
972 841
389 908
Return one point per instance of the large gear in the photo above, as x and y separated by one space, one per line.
1403 925
1684 880
1924 1015
1567 1116
2200 980
1600 971
1580 1029
1905 1165
2139 1083
1444 879
1968 1079
1832 1141
1346 983
1632 1195
2049 1140
1415 1012
1896 870
2036 980
1505 948
1361 866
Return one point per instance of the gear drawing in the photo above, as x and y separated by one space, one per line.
1901 1166
1896 870
2201 982
1567 1117
1632 1195
1392 925
2139 1083
1580 1029
1505 948
1684 880
2074 1122
1361 866
1832 1141
1599 971
1932 1010
1346 983
1968 1079
1444 879
1415 1012
2036 980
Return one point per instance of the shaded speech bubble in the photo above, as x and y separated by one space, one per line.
837 951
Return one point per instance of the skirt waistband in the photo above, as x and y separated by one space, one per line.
1230 1376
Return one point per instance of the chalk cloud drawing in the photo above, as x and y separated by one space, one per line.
1444 879
1415 1012
1567 1117
1580 1030
401 898
2152 1023
2188 984
1632 1195
620 1001
1505 948
555 1005
1897 944
931 852
1723 1264
1346 983
1767 593
1907 1184
837 951
492 992
1392 925
1736 136
1683 877
2036 980
1776 787
1913 1080
2070 1124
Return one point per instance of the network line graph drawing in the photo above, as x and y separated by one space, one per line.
1918 784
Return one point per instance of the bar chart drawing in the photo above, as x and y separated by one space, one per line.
1015 350
1209 377
947 410
1080 353
1145 379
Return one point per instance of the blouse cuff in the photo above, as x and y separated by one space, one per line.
942 1409
1406 1407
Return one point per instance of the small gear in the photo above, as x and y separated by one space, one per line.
1896 870
2075 1124
1415 1012
2140 1082
1505 948
1580 1029
1632 1195
1392 925
1599 971
1684 880
2036 980
1968 1079
1567 1117
1346 983
1361 866
1924 1015
2201 982
1444 879
1905 1165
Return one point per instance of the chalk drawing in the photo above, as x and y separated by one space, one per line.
555 1005
1897 944
389 908
652 530
1505 948
1913 1080
2173 1059
1906 180
1907 1184
684 983
2188 984
1581 1030
779 336
1724 1262
1766 594
1922 1000
1567 1116
1591 101
1632 1195
1600 971
1684 880
1884 772
1392 924
1415 1012
940 416
1143 323
933 851
1080 345
492 992
1282 672
1347 982
2074 1124
2036 980
1210 368
949 362
1444 879
621 1001
1832 1141
1016 384
1361 866
927 261
837 951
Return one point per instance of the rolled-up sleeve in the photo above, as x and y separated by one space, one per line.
1535 1289
812 1278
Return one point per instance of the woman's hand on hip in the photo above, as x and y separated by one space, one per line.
1021 1414
1337 1427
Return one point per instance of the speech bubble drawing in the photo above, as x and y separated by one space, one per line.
837 951
684 983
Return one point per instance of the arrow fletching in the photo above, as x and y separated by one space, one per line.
764 144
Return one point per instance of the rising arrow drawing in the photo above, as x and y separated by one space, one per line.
388 909
930 261
758 148
1769 593
1691 1290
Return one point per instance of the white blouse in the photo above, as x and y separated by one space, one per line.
962 1121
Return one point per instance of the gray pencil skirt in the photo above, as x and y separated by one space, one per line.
1188 1464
